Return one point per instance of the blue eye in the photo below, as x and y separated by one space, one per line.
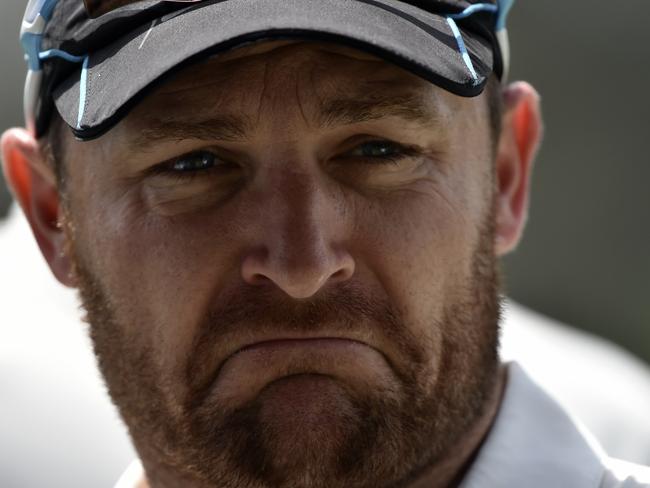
381 151
194 162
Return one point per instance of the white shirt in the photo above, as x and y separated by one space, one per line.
533 443
605 387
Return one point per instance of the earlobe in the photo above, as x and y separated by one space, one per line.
33 183
520 137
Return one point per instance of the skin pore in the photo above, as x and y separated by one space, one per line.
288 259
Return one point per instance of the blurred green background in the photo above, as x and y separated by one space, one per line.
585 257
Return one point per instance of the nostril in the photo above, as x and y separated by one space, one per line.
345 271
340 274
258 279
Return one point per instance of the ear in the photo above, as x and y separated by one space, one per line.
521 134
34 185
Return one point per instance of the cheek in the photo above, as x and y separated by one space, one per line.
419 244
420 247
160 273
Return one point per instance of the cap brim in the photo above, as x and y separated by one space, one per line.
116 77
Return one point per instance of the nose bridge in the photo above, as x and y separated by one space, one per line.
303 243
304 224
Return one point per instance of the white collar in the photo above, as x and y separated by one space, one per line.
132 477
535 443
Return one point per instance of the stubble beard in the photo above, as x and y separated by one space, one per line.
369 439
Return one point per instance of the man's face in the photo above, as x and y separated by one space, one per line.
286 255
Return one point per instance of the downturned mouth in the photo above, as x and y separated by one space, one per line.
246 372
325 342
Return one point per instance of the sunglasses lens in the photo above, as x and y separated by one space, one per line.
97 8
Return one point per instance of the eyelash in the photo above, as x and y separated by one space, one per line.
167 168
400 150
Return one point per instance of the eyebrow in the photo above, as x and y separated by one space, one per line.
223 128
332 113
348 111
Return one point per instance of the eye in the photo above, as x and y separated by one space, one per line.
200 163
381 151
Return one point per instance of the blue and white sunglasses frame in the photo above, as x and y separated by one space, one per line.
39 13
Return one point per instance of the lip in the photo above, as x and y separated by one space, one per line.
253 366
289 343
288 339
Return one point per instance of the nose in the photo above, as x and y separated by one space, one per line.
301 245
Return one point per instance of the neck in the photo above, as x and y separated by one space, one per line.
450 471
